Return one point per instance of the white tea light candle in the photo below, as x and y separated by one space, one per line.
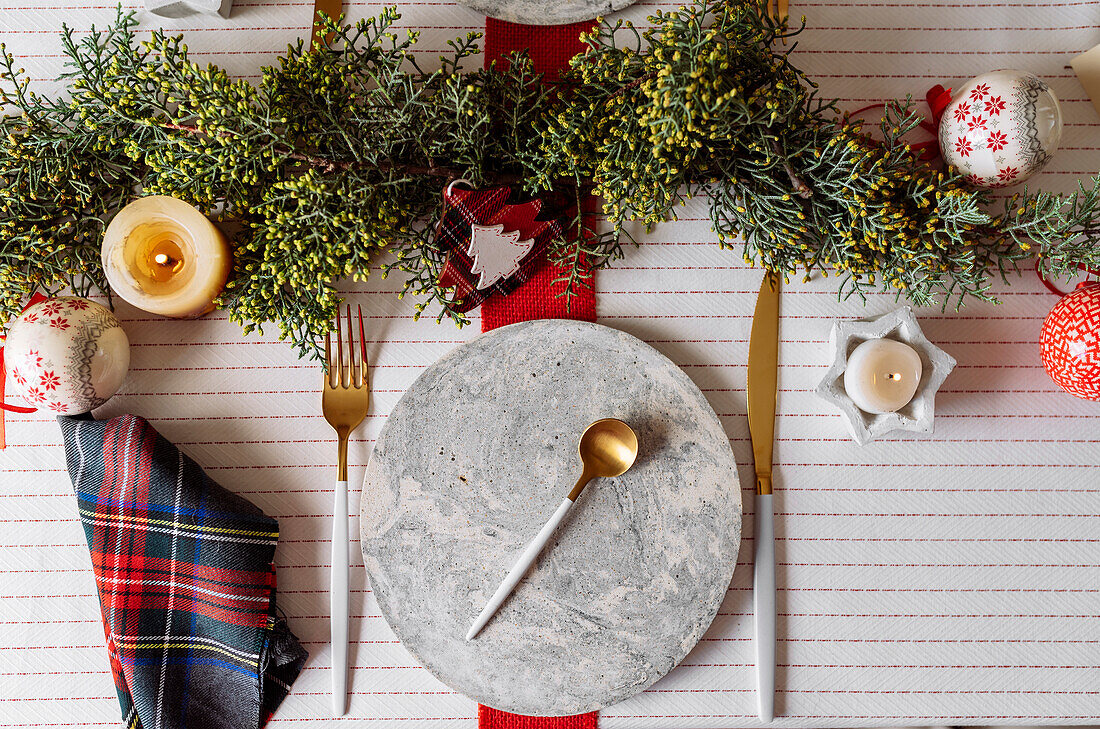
165 257
882 375
918 414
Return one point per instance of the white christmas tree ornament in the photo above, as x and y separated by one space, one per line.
496 254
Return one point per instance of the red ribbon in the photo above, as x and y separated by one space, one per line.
36 298
938 98
1057 291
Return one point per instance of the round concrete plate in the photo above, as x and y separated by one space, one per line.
477 455
546 12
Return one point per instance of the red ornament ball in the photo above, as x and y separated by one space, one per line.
1070 342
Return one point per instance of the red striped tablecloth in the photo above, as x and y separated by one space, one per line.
952 578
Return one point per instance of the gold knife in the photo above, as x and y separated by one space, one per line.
763 373
331 8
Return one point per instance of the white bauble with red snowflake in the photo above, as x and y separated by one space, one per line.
1001 128
66 355
1069 344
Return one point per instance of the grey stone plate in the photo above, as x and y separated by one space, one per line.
546 12
476 456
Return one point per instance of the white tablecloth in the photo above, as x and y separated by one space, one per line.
951 578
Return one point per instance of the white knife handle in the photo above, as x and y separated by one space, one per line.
763 599
338 599
526 559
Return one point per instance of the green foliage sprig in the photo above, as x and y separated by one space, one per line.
340 153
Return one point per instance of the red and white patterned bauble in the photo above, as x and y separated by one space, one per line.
66 355
1001 128
1070 342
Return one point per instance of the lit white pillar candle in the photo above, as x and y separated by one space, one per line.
164 256
882 375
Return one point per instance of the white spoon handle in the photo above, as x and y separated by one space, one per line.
526 559
763 599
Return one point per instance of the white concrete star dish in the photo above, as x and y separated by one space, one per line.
917 415
185 8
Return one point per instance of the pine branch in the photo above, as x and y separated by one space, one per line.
341 153
329 165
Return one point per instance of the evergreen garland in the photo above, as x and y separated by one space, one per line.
340 153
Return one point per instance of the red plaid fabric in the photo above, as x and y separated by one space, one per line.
463 208
185 581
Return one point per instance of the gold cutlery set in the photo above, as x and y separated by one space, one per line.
607 449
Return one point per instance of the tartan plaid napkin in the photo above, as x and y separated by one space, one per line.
186 585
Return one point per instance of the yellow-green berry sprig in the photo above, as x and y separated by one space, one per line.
332 165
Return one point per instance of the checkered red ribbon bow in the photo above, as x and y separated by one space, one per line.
185 581
465 208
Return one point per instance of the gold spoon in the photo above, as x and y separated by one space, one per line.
607 448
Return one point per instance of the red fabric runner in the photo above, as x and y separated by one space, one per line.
489 718
550 47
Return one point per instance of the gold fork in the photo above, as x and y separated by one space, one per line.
778 10
344 401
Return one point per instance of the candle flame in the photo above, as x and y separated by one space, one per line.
162 258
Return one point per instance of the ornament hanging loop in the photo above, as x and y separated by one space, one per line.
937 98
460 180
1057 291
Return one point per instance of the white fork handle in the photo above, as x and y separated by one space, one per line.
763 601
338 599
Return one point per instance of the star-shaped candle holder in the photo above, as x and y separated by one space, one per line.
185 8
917 414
